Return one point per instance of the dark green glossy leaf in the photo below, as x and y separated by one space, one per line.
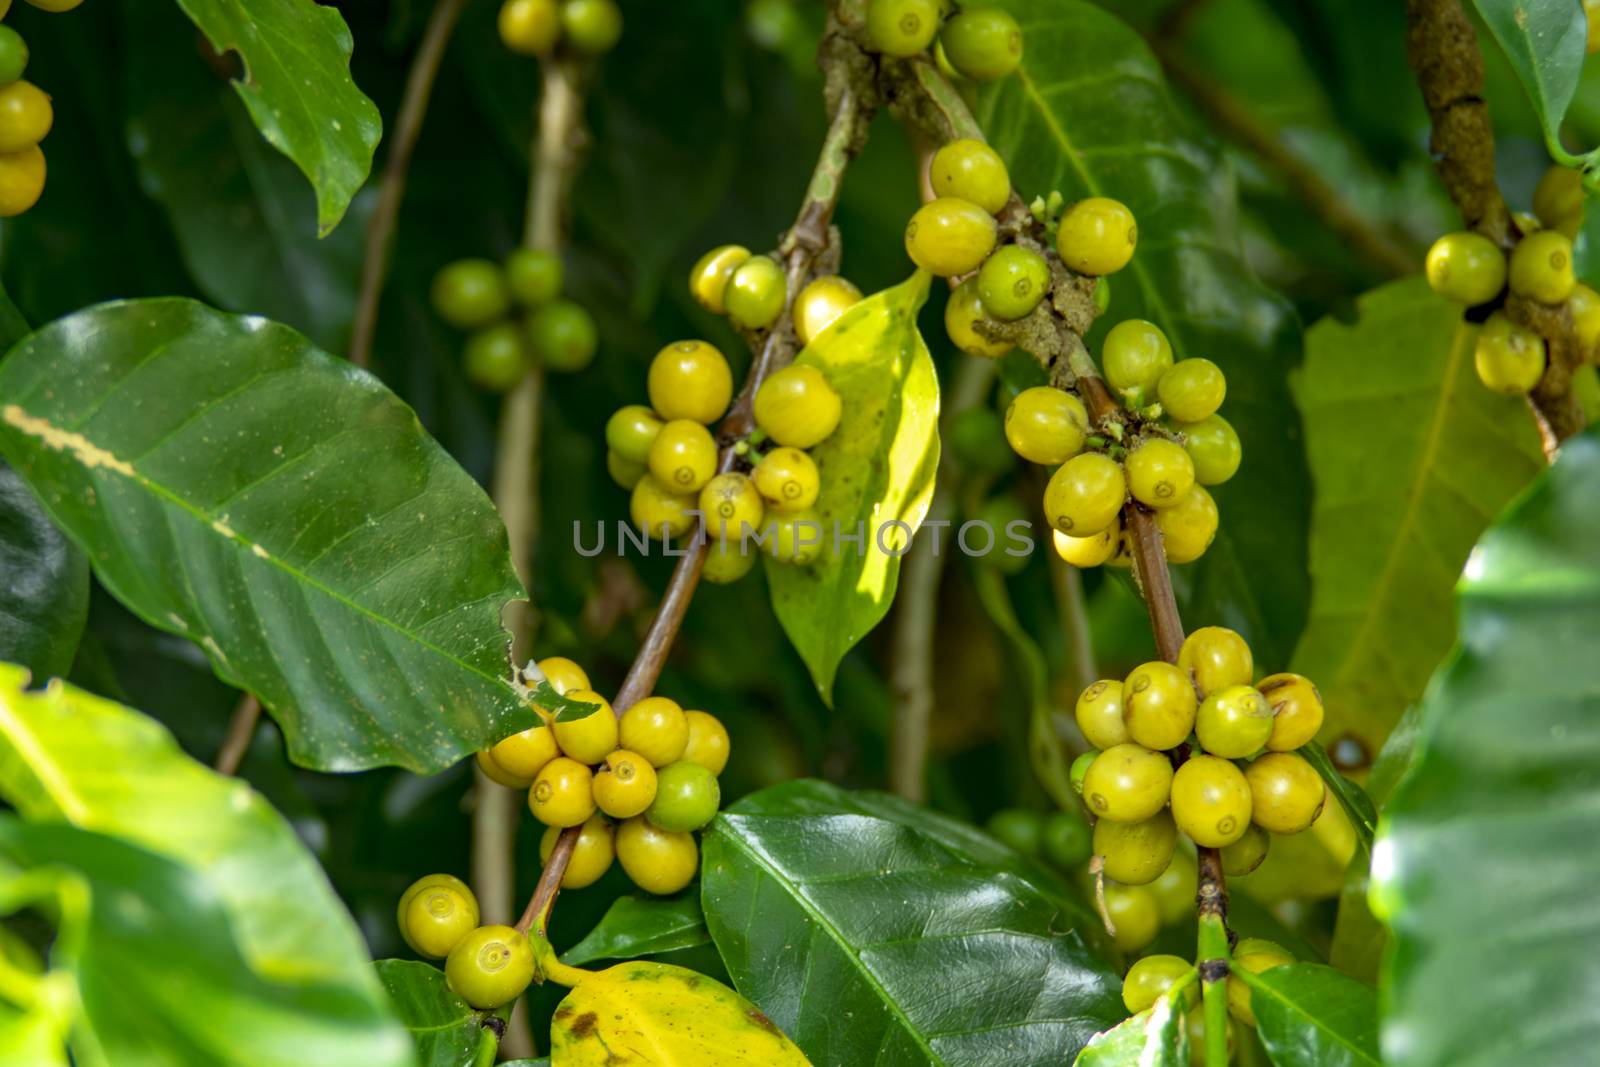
445 1028
297 87
231 482
1485 867
44 597
1309 1015
1354 799
642 926
874 931
1545 43
877 476
566 710
1155 1037
149 949
1412 457
69 757
1088 113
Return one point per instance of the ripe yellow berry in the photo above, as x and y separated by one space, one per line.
563 675
708 281
591 855
625 472
1188 527
727 561
1234 722
1510 359
1097 236
624 785
563 793
660 512
1286 792
797 407
962 312
1466 267
1084 552
970 170
530 27
1099 714
732 507
25 116
1296 710
659 861
683 456
1136 853
690 380
1541 267
22 177
1085 495
1192 389
1584 303
1216 658
490 966
523 754
1133 913
792 537
1046 425
1558 196
1253 955
498 774
787 480
437 916
1210 801
1247 853
708 741
433 881
588 739
1127 783
1158 704
948 236
657 728
820 302
1160 473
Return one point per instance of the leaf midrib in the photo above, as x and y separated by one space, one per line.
1259 987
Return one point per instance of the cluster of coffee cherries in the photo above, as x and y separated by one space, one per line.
639 784
1196 747
1473 270
980 43
516 315
25 118
1150 978
539 27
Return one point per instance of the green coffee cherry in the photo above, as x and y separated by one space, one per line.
1466 267
971 170
470 293
1213 446
757 291
902 27
563 335
1192 389
533 276
13 55
1018 828
1135 355
983 44
592 27
1012 281
496 357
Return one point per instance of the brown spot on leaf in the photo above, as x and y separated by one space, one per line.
584 1025
760 1019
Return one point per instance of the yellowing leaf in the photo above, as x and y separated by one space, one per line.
877 476
664 1016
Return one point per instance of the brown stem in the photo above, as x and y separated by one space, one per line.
403 142
806 244
241 730
1212 897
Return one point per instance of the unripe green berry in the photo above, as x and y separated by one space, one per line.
978 438
470 293
687 796
1012 281
1135 355
1017 828
592 27
1065 841
1247 853
1192 389
756 293
1214 448
1466 267
563 335
13 55
530 27
533 275
630 430
983 44
1149 978
496 357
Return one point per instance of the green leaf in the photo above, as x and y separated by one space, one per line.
934 942
1484 868
238 487
297 87
1089 114
1412 457
69 757
1156 1037
642 926
1309 1015
158 972
1545 42
445 1028
565 708
1354 799
44 598
877 476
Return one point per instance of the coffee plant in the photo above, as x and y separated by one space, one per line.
838 532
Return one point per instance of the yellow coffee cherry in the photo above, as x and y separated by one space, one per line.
1189 526
1160 472
1158 705
660 512
1584 303
1133 913
1149 978
1192 389
656 728
787 480
1046 425
624 785
1558 196
820 302
1591 11
1085 494
1510 359
683 456
731 506
437 917
1135 355
563 793
53 5
1084 552
793 537
1466 267
25 116
708 281
563 674
1234 722
625 472
1247 853
588 739
970 170
498 774
1297 710
523 754
530 27
1127 783
658 861
490 966
1216 657
690 380
756 293
427 881
591 855
1253 955
797 407
708 741
1210 801
902 27
948 236
1541 267
1136 853
1286 792
1099 714
962 312
728 561
1175 888
22 177
1097 236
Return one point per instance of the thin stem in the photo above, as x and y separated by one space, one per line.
1067 585
1213 953
402 144
802 247
241 731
